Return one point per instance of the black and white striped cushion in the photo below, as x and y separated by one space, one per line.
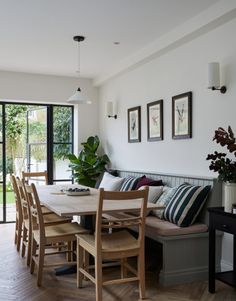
129 183
186 204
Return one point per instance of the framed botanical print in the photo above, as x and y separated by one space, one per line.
182 116
155 120
134 124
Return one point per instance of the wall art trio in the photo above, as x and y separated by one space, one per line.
181 119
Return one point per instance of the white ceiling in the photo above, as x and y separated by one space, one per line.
36 36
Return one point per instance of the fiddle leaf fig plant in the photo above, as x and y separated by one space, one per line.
88 165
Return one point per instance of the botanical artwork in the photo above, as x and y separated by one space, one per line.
155 120
182 116
134 126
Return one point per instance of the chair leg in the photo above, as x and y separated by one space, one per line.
33 253
40 264
122 267
24 238
141 275
29 246
16 231
98 276
79 265
86 262
19 231
69 248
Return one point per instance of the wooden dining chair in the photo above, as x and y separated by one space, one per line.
120 244
43 236
49 218
27 176
19 213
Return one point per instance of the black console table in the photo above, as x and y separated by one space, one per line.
226 222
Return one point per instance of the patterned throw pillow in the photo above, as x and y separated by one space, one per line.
129 183
163 200
154 193
144 181
186 204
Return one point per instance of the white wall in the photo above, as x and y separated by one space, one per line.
16 86
180 70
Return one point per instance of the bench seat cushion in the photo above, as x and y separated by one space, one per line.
156 226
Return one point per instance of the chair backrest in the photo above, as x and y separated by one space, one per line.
23 199
27 176
17 196
35 210
126 222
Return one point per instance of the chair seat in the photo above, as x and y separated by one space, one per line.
60 231
115 242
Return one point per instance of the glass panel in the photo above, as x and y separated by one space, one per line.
38 157
63 183
1 164
62 124
1 204
0 123
37 126
61 168
10 203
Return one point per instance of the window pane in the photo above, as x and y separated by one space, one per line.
61 164
1 203
0 123
10 203
1 164
37 125
62 124
38 157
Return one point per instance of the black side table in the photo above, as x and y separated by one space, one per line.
226 222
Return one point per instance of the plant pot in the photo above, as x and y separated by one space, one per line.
229 195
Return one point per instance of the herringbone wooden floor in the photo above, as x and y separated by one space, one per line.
16 283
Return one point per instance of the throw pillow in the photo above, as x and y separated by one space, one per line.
144 181
129 183
110 182
186 204
163 200
153 193
112 172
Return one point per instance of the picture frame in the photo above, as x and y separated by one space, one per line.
134 124
155 120
182 116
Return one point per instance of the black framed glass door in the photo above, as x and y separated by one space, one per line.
33 138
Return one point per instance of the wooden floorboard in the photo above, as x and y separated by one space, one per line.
16 283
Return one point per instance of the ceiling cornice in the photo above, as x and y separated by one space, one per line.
218 14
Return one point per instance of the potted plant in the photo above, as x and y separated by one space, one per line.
88 165
225 165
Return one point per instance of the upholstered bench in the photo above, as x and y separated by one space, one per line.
184 250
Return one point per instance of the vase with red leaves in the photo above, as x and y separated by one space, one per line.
225 164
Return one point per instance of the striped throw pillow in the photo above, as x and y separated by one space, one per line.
186 204
129 183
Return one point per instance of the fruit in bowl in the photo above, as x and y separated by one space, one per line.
77 191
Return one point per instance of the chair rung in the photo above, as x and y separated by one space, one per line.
130 268
117 281
86 274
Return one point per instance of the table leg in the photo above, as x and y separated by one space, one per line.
234 254
211 275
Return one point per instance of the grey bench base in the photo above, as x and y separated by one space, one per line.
185 258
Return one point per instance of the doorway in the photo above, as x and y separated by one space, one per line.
33 138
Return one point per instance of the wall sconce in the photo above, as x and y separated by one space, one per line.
214 77
111 110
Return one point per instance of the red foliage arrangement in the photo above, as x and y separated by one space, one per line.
226 167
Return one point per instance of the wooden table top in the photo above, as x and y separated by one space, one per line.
54 199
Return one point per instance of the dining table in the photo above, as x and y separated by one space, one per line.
56 198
